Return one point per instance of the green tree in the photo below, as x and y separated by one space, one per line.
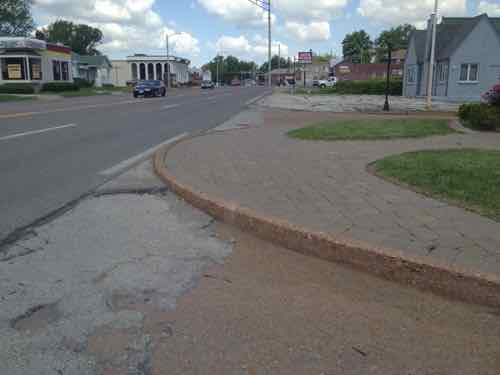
397 37
283 63
15 17
229 67
82 39
357 47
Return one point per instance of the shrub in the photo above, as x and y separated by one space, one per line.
492 97
369 87
83 83
60 86
108 86
17 88
480 116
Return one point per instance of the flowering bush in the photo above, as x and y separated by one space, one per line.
493 96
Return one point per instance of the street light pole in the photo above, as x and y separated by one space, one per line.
433 55
387 85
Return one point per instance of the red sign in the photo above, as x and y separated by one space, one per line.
305 57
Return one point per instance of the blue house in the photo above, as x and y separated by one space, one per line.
467 62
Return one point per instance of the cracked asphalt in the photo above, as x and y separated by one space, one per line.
85 270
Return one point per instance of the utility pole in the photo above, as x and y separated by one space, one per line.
168 57
266 5
269 40
279 63
433 55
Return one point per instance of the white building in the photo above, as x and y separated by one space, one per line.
141 67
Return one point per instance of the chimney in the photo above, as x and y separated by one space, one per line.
428 38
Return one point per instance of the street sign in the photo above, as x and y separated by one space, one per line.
305 57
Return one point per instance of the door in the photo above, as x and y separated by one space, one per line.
420 69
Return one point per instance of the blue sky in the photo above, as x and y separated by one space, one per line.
205 27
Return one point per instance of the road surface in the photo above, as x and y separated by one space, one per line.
53 152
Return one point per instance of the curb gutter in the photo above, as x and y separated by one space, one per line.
384 263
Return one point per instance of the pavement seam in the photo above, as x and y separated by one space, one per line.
386 263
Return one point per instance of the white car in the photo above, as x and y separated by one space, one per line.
330 82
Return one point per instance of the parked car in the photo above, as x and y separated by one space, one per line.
207 85
149 88
235 82
330 82
315 82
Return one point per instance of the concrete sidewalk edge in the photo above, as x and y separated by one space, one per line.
385 263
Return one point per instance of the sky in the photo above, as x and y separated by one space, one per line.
200 29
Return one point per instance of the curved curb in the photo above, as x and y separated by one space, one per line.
385 263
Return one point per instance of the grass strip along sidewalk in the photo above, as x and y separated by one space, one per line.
372 129
469 178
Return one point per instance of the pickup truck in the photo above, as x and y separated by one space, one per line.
330 82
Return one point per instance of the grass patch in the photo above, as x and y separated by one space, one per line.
15 98
372 129
84 92
469 178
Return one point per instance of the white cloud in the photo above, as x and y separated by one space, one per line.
393 12
313 32
241 12
242 48
129 26
493 9
307 9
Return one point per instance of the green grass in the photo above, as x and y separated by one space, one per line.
87 91
469 178
84 92
14 98
372 129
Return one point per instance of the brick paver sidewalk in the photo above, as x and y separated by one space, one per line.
325 186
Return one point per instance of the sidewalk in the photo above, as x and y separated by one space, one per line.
324 186
352 103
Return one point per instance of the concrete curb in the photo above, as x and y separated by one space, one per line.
385 263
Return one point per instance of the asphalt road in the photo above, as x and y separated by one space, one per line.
52 152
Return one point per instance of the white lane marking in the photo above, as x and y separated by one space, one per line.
18 135
253 100
171 106
126 164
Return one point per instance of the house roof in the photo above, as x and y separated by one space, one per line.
98 60
451 32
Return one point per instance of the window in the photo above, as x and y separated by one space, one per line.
35 69
411 74
14 69
469 72
442 72
64 71
56 70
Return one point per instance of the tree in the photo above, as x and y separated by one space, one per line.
15 17
397 37
356 47
283 64
82 39
229 68
39 34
